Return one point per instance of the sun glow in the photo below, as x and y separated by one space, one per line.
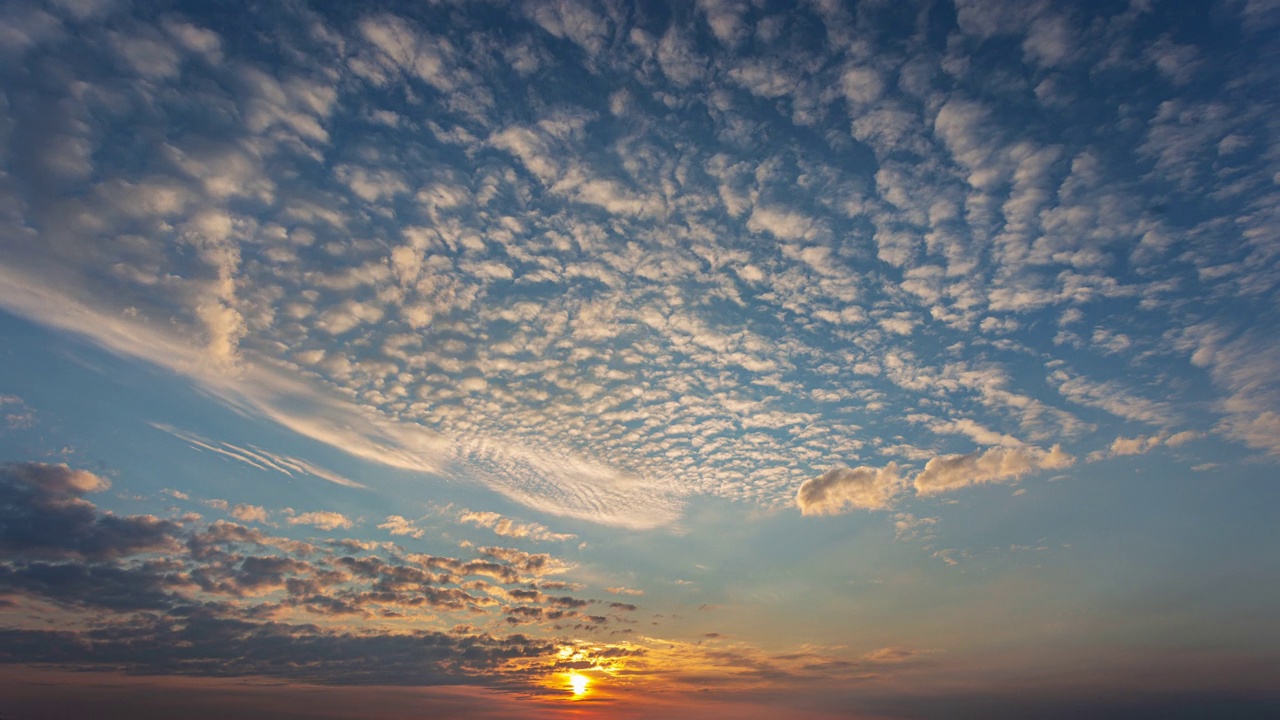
578 683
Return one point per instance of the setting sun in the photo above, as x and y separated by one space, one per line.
578 683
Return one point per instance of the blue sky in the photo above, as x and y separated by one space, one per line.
745 358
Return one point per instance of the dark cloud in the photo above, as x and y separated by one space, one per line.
211 604
42 514
94 586
207 645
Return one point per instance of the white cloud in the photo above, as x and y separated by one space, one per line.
1245 367
861 85
398 525
909 527
683 277
507 527
1112 397
766 79
576 20
952 472
969 428
841 489
257 457
726 19
1143 444
678 59
322 519
372 185
781 222
401 48
249 513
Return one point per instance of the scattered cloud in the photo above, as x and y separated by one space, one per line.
995 465
840 489
397 525
17 414
322 519
128 578
1143 444
507 527
909 527
867 488
249 513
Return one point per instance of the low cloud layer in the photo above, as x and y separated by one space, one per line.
160 596
43 515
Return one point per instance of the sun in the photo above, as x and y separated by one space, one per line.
578 683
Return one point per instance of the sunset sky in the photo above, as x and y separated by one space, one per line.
607 359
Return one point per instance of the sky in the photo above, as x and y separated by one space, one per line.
606 359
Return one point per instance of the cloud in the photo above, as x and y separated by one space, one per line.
43 515
1134 446
536 564
576 20
1112 397
221 599
323 519
909 527
965 426
840 489
257 457
566 485
725 17
1000 464
233 647
1245 366
868 488
602 304
397 525
17 415
249 513
1143 444
507 527
781 223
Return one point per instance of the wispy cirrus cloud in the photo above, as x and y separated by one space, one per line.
257 457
